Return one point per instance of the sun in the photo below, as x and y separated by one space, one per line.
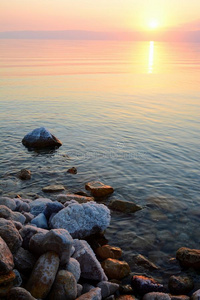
153 24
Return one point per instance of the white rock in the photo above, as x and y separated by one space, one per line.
82 220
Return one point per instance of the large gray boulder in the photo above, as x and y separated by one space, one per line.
82 220
41 138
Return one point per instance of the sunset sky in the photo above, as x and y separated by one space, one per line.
101 15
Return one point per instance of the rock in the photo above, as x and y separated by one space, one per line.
73 266
18 217
64 287
79 289
115 269
59 241
72 170
107 251
18 225
7 278
55 188
94 294
10 203
6 258
24 260
189 257
40 221
39 205
179 297
87 287
125 289
180 285
5 212
98 189
90 266
18 279
195 295
28 217
140 260
53 207
18 293
112 297
156 296
82 220
27 232
4 290
43 275
22 206
24 174
10 234
125 297
107 288
36 243
124 206
68 197
41 138
144 285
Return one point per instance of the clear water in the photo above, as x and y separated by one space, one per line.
127 114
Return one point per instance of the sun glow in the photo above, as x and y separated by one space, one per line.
153 24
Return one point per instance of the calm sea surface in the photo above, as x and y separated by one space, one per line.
128 114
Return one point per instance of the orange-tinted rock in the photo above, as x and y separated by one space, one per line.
189 257
64 287
98 189
6 258
7 278
43 275
108 251
68 197
125 297
115 269
94 294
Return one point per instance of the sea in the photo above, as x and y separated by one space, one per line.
128 115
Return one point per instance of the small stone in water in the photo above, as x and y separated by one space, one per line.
72 170
24 174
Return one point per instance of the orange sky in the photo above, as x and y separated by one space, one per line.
98 15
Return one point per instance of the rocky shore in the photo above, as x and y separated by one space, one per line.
54 247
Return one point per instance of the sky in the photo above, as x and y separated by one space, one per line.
100 15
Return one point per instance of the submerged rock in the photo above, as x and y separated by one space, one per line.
124 206
98 189
41 138
82 220
24 174
55 188
140 260
189 257
180 285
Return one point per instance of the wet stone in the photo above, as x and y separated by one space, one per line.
55 188
124 206
144 285
107 251
115 269
189 257
24 174
98 189
179 285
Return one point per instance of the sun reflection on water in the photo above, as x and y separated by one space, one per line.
151 57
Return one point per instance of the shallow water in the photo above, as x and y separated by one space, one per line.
127 114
